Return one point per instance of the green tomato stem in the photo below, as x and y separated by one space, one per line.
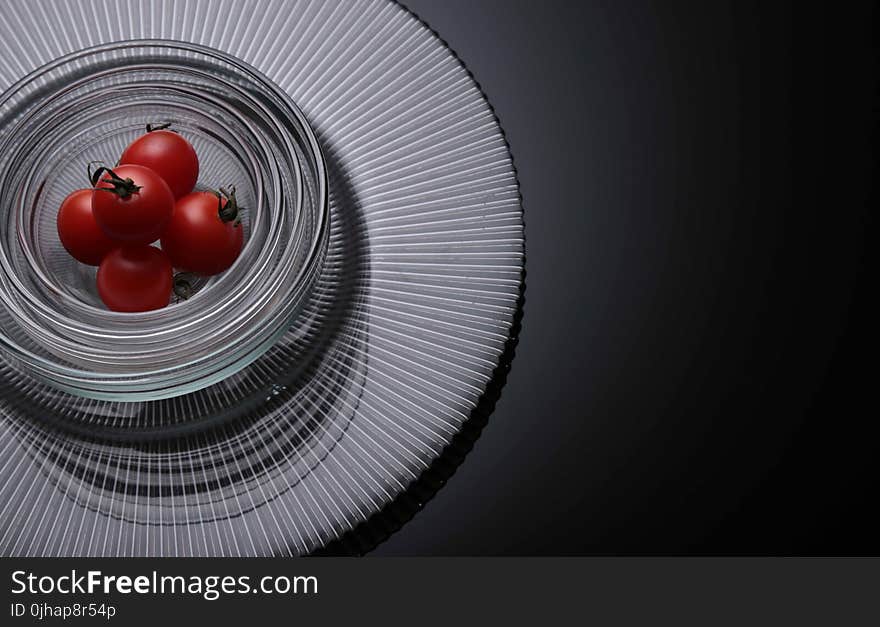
121 187
230 211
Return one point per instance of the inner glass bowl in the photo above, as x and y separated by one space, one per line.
87 107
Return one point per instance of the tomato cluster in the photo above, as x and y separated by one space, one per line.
149 197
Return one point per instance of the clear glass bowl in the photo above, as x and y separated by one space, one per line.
86 107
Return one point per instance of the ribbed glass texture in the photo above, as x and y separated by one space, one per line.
399 337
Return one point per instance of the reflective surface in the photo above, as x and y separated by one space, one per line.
409 317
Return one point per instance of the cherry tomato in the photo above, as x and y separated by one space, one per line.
131 203
205 233
78 231
169 154
135 278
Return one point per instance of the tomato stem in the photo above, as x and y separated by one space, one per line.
228 212
121 187
157 127
182 285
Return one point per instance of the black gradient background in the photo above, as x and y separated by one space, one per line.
697 371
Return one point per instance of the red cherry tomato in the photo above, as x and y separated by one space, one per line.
170 155
135 278
205 235
78 231
131 203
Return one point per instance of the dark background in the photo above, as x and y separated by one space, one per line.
697 369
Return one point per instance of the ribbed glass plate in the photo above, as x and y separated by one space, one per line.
418 299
